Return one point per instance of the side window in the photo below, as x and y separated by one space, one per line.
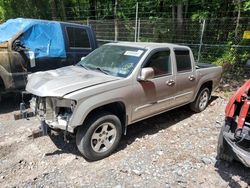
183 60
160 62
78 37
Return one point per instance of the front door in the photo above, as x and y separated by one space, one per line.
155 95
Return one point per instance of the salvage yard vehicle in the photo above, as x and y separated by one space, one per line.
117 85
30 45
234 138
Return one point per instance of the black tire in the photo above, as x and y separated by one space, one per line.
91 138
223 152
196 105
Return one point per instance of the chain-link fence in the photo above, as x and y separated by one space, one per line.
209 39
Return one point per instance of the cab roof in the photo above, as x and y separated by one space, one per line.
148 45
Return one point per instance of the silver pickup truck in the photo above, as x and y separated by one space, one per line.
117 85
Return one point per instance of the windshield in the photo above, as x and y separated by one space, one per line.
113 60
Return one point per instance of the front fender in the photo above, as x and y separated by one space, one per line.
86 106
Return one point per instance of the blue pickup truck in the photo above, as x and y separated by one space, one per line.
31 45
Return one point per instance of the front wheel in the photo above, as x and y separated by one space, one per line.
201 100
99 137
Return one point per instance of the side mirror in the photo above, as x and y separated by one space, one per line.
248 65
82 58
146 74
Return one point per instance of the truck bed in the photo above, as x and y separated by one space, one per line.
204 65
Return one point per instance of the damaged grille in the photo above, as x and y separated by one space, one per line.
54 110
43 107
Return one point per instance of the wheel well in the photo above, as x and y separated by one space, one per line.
116 108
209 85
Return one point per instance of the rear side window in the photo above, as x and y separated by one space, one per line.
160 62
78 37
183 60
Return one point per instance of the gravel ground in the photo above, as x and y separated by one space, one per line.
174 149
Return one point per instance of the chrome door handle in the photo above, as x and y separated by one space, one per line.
191 78
170 82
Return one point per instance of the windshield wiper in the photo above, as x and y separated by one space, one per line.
81 65
102 70
96 68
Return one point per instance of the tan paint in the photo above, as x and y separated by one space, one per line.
142 99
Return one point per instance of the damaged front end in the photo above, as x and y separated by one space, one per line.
230 147
54 114
234 139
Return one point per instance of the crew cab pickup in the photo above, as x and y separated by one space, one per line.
29 45
117 85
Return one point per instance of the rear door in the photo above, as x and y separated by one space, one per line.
79 42
185 76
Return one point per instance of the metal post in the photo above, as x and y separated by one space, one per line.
201 39
44 127
136 17
139 27
115 21
42 114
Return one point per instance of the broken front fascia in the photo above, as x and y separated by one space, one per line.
56 112
236 151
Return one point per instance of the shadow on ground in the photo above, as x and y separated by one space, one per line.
138 130
233 173
10 102
153 125
64 146
135 131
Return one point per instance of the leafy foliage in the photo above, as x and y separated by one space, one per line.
166 20
103 9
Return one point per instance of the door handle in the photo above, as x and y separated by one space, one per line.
170 82
191 78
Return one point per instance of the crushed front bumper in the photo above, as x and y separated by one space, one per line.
53 113
239 153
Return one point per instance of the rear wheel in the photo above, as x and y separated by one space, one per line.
201 100
99 137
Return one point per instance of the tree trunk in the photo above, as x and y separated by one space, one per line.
173 13
238 20
53 8
173 23
115 18
64 17
180 13
92 9
161 6
186 10
180 22
79 9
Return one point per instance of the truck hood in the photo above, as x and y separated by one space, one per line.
59 82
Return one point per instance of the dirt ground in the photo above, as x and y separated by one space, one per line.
174 149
